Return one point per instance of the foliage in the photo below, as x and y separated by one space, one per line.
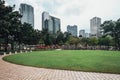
45 36
5 24
13 31
93 41
60 38
112 28
85 41
73 40
105 40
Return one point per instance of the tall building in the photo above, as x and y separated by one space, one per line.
82 33
95 23
72 30
87 35
45 20
27 12
51 23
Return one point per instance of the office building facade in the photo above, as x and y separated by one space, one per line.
87 35
51 23
72 30
95 27
27 12
82 33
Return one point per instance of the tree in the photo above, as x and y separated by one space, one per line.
93 41
73 40
118 33
84 41
14 28
4 23
60 38
27 33
105 41
36 36
47 38
13 31
66 37
112 28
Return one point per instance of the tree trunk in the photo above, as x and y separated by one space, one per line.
6 42
12 46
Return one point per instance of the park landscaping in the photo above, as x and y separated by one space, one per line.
79 60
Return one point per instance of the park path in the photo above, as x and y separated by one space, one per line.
10 71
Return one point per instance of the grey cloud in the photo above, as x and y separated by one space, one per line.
73 11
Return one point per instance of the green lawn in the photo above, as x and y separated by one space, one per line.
81 60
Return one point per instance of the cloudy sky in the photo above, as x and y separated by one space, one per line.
73 12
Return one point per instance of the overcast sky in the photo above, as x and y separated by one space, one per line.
73 12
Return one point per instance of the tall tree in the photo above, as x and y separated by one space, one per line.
46 37
60 38
113 28
93 41
118 32
4 23
14 28
84 41
73 40
105 41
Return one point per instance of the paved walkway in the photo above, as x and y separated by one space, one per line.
10 71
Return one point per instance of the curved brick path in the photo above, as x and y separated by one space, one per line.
10 71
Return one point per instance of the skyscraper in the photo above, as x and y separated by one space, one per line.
27 12
82 33
51 23
72 30
87 35
95 23
45 20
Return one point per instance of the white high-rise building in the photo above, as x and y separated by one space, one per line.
27 12
95 23
72 30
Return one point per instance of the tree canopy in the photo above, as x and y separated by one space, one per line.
112 28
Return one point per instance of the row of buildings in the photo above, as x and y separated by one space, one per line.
95 29
53 24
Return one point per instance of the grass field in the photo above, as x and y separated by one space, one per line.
80 60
